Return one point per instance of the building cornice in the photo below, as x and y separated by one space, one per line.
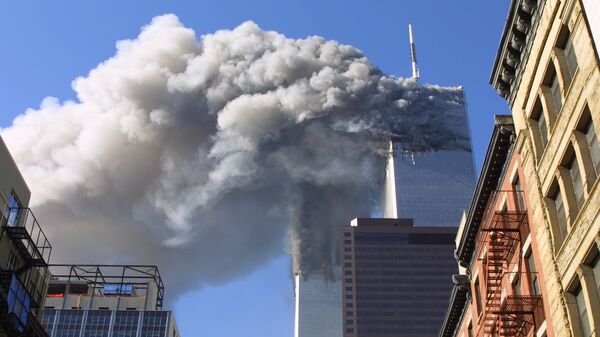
491 173
515 46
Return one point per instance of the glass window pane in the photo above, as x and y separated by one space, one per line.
556 94
541 121
533 276
519 195
583 314
592 140
571 57
577 181
596 269
560 214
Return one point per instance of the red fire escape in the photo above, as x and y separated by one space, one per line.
506 313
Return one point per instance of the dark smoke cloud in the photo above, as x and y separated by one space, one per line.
209 157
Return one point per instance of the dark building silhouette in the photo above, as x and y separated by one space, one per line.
396 277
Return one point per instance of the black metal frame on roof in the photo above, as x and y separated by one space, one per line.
493 166
99 275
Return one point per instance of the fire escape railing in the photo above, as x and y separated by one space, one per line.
505 313
23 280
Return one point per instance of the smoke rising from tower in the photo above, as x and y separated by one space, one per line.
207 156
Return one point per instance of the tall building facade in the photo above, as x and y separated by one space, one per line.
318 304
423 182
24 255
107 301
395 277
548 70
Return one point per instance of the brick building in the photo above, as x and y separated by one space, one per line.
499 289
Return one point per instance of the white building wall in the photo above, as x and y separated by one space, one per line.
592 10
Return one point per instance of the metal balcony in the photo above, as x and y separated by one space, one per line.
25 232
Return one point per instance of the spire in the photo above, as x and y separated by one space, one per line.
413 54
390 209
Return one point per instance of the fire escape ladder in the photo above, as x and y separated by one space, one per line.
506 314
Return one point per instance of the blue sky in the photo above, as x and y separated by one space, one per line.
46 44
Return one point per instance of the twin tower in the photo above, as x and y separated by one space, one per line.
431 188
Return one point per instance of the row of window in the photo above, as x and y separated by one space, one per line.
550 99
405 257
406 305
568 192
580 165
404 266
97 322
397 250
402 273
407 329
404 280
412 289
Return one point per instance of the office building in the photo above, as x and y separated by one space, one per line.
107 301
24 255
548 70
396 277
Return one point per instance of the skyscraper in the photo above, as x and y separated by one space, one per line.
433 188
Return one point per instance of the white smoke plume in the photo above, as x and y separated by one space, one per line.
205 155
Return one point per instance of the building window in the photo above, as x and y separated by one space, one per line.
470 329
477 296
517 285
551 81
575 174
533 276
14 209
565 42
583 313
596 271
591 137
519 195
561 214
540 120
11 264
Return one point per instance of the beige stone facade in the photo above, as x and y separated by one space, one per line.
554 93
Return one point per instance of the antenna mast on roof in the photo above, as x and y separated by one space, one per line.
413 54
